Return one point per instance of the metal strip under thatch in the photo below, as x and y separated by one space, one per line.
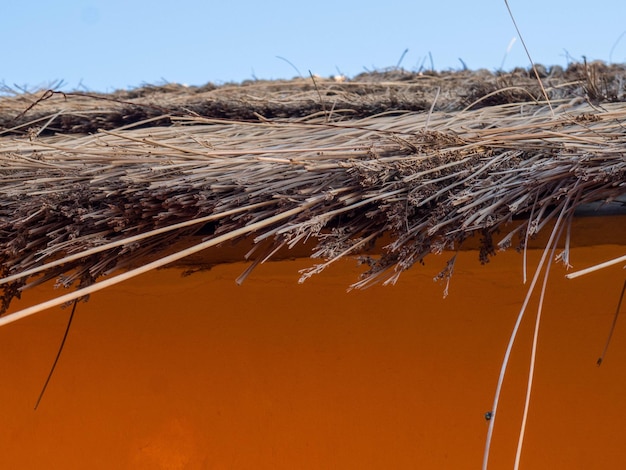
136 180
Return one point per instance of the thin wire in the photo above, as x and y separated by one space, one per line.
56 360
608 340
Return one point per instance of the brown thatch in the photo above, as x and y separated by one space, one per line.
95 183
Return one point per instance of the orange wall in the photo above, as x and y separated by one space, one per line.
196 372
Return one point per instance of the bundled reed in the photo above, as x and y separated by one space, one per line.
422 161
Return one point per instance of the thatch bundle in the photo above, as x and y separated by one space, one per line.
96 183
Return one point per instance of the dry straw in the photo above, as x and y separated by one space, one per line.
94 185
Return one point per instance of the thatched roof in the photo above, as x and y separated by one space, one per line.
94 183
365 95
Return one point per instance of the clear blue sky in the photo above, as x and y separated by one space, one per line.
102 45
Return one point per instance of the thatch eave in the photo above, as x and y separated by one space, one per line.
450 156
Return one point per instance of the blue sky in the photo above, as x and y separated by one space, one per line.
102 45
